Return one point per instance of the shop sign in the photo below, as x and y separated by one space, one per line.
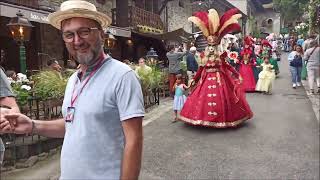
116 31
32 15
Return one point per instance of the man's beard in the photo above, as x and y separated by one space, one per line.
90 57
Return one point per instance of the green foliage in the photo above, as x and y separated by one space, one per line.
183 66
22 95
254 29
50 84
291 9
302 29
151 79
314 27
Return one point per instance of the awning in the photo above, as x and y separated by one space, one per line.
10 10
179 35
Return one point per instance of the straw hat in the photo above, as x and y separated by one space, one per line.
78 8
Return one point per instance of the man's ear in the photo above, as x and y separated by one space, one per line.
102 34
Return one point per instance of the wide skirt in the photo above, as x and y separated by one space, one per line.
265 81
249 81
216 102
178 102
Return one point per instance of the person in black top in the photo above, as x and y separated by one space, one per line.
192 65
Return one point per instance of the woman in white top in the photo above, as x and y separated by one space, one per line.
295 61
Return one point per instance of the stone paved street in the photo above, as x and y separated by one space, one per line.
280 142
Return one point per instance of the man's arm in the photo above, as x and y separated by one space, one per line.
55 128
181 54
22 124
131 162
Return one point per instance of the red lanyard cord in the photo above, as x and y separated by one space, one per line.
75 97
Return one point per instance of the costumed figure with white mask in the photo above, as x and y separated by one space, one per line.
217 100
247 66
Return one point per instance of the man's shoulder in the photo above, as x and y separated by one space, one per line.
116 66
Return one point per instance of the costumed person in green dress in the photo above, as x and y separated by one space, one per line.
266 52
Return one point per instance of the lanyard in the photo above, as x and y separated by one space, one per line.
74 98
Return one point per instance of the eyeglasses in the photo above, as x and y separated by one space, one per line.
83 33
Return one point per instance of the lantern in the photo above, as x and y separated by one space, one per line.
20 28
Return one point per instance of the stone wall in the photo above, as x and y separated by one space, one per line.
275 28
242 5
178 16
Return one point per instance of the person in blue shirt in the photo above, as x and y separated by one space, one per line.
300 41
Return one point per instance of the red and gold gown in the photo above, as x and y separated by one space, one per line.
217 100
247 70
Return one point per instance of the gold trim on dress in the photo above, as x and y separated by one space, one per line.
213 124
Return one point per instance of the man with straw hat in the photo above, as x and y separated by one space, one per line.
103 104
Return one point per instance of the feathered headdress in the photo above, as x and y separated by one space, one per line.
214 28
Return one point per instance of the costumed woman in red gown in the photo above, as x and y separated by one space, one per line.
217 99
247 66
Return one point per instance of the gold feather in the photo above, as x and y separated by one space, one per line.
233 19
200 24
214 21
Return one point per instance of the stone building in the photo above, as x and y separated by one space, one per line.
261 19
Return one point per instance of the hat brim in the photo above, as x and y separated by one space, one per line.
56 18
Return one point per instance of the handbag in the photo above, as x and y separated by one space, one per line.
296 62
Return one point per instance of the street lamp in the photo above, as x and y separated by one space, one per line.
152 56
20 28
109 42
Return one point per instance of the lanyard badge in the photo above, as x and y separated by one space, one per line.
71 110
70 114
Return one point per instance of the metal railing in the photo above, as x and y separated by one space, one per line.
138 16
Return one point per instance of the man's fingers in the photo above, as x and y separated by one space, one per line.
4 124
8 129
11 116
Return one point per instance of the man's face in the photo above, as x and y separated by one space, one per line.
85 49
56 67
141 62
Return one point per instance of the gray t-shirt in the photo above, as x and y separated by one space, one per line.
174 61
5 91
94 142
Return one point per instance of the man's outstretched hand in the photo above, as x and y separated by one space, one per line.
19 123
